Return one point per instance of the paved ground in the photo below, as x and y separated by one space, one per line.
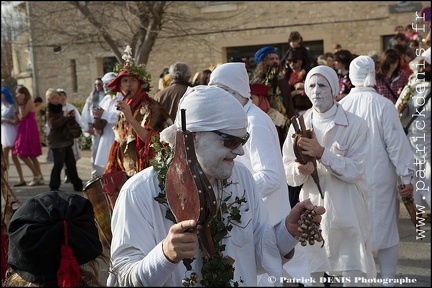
414 250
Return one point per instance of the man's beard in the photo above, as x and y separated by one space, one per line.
275 65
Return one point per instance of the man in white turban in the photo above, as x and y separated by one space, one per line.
263 157
339 143
389 158
147 248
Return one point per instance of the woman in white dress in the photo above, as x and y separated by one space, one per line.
9 128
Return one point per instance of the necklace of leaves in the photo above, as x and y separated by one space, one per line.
216 271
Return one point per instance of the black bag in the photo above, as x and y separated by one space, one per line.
72 129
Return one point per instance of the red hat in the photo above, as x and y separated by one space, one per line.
114 85
130 69
259 89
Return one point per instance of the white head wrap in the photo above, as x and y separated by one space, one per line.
207 108
427 55
362 71
329 74
232 75
108 77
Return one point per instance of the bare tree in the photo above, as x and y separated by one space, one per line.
12 24
115 24
146 15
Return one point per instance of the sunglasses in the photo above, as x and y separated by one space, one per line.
231 141
292 61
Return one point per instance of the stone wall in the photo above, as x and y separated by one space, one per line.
357 26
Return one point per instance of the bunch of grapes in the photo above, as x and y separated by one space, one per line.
309 229
192 280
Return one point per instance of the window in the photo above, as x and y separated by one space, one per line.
108 64
386 41
243 53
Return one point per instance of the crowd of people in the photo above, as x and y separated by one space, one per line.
237 133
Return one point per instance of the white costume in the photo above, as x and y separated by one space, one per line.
389 155
265 163
110 114
341 170
139 225
263 157
343 180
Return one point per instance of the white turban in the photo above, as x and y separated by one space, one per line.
329 74
108 77
207 108
362 71
232 75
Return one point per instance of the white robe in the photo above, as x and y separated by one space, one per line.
139 226
345 225
263 158
389 155
110 114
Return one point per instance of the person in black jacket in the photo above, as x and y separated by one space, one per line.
61 146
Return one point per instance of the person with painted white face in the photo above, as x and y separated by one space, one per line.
390 157
147 248
263 157
339 143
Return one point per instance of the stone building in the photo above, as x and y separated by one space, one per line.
224 30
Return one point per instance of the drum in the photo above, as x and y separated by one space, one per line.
111 185
93 191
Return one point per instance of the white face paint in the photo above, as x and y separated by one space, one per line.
319 93
216 160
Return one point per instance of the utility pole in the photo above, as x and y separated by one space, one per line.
33 66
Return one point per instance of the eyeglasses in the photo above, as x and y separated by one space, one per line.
231 141
292 61
98 84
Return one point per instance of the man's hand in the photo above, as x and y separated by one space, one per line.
311 146
180 243
292 221
305 169
97 112
126 109
406 190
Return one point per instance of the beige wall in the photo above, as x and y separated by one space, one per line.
357 26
